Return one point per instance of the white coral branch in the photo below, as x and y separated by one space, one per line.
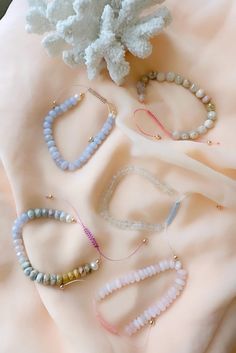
93 32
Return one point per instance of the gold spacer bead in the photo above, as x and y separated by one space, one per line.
219 207
91 139
145 241
82 95
211 106
73 220
50 197
152 322
175 257
54 104
209 142
157 137
59 280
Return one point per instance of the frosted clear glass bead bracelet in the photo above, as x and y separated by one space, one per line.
94 142
58 280
173 77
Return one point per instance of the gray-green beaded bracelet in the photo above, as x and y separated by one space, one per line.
58 280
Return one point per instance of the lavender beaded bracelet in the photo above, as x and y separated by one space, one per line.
58 280
172 77
94 142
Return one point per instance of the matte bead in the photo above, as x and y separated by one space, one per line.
51 143
33 275
25 265
39 278
28 270
46 279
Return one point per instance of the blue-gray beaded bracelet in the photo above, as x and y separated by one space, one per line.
94 142
56 280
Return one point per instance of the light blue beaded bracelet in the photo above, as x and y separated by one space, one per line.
94 142
58 280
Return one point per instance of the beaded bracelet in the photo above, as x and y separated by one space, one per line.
59 280
135 225
149 316
94 142
193 88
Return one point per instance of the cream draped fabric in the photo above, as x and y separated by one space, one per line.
200 44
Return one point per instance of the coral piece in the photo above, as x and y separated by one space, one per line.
96 32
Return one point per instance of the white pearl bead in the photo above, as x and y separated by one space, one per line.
176 135
202 130
184 136
200 93
94 266
193 135
208 124
211 115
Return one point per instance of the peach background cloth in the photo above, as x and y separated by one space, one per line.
200 44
